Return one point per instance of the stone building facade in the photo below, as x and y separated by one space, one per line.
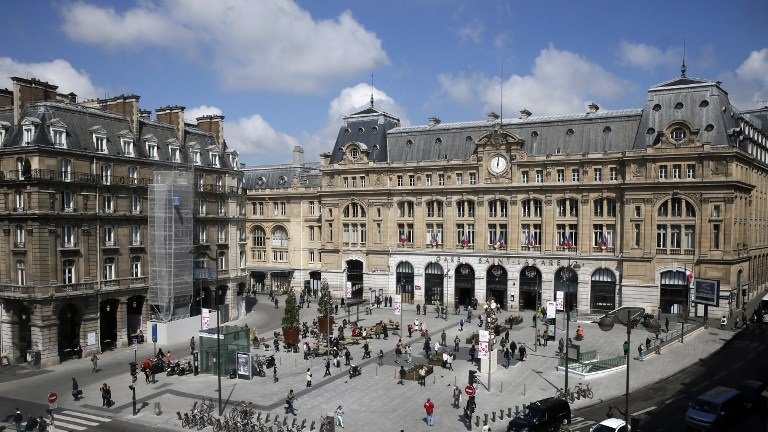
599 209
74 210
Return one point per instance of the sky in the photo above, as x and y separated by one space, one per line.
285 72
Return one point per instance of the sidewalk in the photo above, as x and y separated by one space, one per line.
373 400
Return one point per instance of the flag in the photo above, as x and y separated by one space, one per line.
500 241
689 277
531 241
434 238
403 239
464 240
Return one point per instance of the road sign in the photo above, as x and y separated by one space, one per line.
469 390
52 397
398 304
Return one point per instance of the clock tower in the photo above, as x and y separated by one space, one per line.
498 150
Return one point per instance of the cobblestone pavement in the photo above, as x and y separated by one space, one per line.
374 401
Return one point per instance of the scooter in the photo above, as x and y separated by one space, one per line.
172 369
355 370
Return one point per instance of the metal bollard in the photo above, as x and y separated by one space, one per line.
501 414
523 389
501 387
485 418
517 410
158 411
477 420
509 412
493 416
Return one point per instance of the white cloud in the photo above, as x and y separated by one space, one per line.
560 82
59 72
472 31
748 85
269 44
258 141
190 114
648 57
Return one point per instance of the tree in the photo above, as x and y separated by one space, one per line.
325 303
291 315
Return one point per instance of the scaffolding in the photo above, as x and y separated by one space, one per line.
170 245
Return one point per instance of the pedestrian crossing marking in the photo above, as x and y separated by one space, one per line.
75 419
88 416
59 424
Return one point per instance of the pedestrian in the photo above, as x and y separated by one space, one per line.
75 390
723 322
336 308
274 374
647 343
276 344
640 352
381 358
429 407
17 419
512 348
339 413
533 320
461 325
522 353
398 351
469 315
305 350
366 350
666 324
309 377
95 363
486 427
545 336
423 376
538 337
443 337
289 401
456 342
386 331
327 368
347 357
276 303
169 357
506 358
192 346
456 396
472 353
480 320
449 361
104 395
626 348
427 348
410 330
160 354
437 346
736 323
401 374
408 354
42 425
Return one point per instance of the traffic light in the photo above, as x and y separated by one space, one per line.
134 369
472 378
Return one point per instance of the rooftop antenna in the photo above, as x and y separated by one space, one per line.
501 95
683 68
371 90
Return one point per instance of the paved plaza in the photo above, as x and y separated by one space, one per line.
373 401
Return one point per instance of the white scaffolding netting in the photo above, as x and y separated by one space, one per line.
170 244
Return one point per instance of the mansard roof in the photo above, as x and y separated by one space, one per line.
282 176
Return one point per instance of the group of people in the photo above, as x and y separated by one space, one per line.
39 424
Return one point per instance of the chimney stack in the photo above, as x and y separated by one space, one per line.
126 105
30 90
434 121
6 98
524 113
174 116
492 117
145 114
298 155
215 125
593 108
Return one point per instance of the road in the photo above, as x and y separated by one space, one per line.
662 406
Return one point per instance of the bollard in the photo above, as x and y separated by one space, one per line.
485 418
158 411
377 370
509 412
434 377
493 416
454 380
294 362
279 361
523 389
477 420
517 410
501 387
501 414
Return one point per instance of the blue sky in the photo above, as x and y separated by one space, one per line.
284 72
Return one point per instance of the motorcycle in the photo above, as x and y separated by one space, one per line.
172 369
270 363
355 370
185 369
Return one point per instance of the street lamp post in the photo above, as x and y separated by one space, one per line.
629 317
567 274
218 326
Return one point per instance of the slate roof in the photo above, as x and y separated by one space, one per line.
369 128
281 176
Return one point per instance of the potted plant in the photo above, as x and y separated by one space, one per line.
291 320
325 308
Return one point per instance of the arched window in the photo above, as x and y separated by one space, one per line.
354 210
258 236
676 227
603 290
279 237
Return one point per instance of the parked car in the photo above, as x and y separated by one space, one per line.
610 425
751 393
716 409
544 415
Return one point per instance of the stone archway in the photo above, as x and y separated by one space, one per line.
70 321
433 283
108 323
567 281
404 281
355 277
602 293
134 315
530 288
496 285
465 284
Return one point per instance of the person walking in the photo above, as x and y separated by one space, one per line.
408 354
276 302
666 324
423 376
456 342
506 358
309 377
456 396
42 425
410 330
401 373
538 338
327 368
512 348
429 407
461 325
339 419
289 401
95 363
17 419
274 374
443 338
640 352
192 345
626 348
381 358
449 361
75 390
469 315
347 357
398 351
521 351
418 309
723 322
103 395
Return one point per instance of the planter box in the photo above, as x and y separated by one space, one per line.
414 375
291 336
324 324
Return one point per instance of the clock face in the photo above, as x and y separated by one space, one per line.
497 164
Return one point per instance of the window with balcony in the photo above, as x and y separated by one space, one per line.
68 272
530 236
109 203
133 175
135 235
109 236
434 234
67 236
199 181
434 209
603 237
19 240
405 209
65 170
174 153
135 204
214 159
67 202
465 234
221 232
106 174
405 233
110 270
497 236
136 267
222 257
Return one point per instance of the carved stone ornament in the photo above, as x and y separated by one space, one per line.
418 202
728 200
473 158
378 179
647 200
513 202
718 168
638 170
548 202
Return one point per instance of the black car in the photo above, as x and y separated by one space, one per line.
751 393
544 415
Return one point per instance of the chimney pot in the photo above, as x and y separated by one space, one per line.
298 155
492 116
593 108
524 113
434 121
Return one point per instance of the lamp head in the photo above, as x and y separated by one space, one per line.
605 323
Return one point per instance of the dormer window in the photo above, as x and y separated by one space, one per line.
59 136
127 146
195 156
174 151
29 128
152 150
678 134
29 134
214 159
100 142
354 153
4 126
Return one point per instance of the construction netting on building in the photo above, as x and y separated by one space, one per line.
170 243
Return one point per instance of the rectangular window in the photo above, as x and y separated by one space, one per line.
133 175
135 235
637 211
311 256
106 174
675 234
214 159
354 182
66 170
472 178
560 175
195 157
405 233
346 182
59 137
575 175
459 178
465 234
716 236
524 177
411 180
109 236
362 181
101 143
613 173
135 204
67 236
677 171
690 171
109 204
661 236
29 134
378 232
311 231
174 153
441 179
428 179
312 207
598 175
662 172
222 233
689 238
67 202
539 176
399 180
716 211
434 234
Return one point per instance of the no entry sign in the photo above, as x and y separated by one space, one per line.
52 398
469 390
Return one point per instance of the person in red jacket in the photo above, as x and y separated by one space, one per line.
429 407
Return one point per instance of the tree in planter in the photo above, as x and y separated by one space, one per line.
325 307
291 320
